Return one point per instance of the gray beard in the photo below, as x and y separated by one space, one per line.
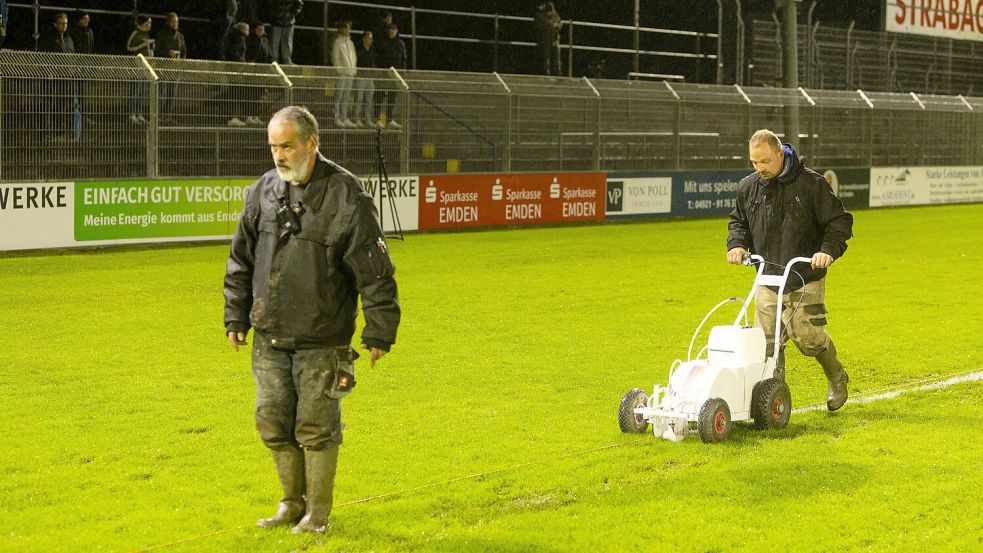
296 173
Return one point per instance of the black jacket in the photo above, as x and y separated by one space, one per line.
56 42
235 46
283 13
302 290
392 53
366 58
258 49
83 39
792 216
170 40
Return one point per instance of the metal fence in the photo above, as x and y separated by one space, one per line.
83 117
847 59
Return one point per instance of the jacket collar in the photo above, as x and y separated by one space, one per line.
317 186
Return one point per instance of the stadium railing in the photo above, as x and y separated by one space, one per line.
845 58
68 117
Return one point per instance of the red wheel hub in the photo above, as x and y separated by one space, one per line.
719 422
777 408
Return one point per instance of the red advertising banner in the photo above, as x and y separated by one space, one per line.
453 201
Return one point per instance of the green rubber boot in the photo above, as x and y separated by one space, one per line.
321 467
290 470
836 377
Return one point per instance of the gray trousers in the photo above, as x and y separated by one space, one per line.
806 327
292 404
282 44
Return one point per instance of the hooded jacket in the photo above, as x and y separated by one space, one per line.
302 290
793 215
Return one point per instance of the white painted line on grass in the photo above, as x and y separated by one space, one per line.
975 375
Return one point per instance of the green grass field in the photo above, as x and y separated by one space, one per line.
127 421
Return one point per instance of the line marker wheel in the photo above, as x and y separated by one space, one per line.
628 419
771 404
714 421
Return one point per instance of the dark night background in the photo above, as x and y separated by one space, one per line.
689 15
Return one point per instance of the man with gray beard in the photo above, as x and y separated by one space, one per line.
308 244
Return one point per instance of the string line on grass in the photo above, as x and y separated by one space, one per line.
933 383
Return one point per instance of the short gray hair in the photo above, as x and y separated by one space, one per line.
764 136
301 117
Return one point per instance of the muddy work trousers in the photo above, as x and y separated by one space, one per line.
294 403
806 326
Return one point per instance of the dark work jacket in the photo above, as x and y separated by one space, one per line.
235 46
302 290
56 42
391 53
283 13
167 40
795 215
258 49
83 39
366 58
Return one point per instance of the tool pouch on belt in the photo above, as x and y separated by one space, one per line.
343 379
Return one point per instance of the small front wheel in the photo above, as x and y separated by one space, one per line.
628 419
771 404
714 421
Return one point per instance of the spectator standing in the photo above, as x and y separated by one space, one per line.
258 49
140 43
364 85
284 15
4 17
344 59
235 50
548 25
58 40
64 117
225 20
382 26
81 34
392 53
170 44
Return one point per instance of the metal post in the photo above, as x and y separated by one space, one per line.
325 51
849 55
720 42
638 33
677 125
570 50
495 55
37 16
413 30
597 125
508 123
791 69
739 62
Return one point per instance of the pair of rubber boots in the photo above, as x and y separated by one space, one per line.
836 377
307 479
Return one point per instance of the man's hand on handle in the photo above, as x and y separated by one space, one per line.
375 354
736 256
821 260
237 339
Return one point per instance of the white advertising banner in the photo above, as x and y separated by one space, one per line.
405 195
639 196
956 19
893 186
36 215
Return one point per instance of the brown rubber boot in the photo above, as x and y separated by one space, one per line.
321 467
290 470
836 377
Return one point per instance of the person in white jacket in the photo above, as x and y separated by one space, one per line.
344 59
